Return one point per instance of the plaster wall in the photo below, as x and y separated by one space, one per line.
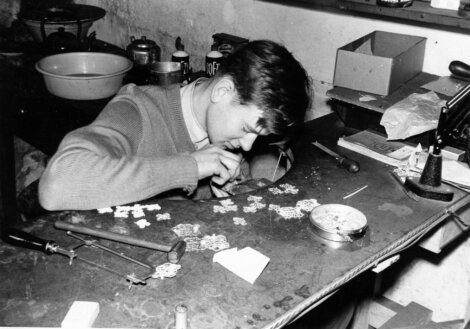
313 37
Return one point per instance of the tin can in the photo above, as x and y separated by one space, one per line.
213 61
165 73
182 57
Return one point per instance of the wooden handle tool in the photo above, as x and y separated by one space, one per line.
174 253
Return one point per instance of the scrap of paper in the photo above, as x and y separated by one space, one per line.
445 85
247 263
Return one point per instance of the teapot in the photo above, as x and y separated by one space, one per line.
143 51
62 41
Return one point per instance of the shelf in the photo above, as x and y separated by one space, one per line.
419 12
381 103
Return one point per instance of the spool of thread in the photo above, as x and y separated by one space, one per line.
181 316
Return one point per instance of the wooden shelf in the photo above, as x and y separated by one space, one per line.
381 103
420 12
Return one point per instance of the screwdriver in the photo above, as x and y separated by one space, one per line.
348 164
25 240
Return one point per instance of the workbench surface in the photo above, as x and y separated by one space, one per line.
38 289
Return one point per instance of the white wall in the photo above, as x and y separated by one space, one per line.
312 35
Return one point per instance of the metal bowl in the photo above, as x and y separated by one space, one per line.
165 73
84 75
338 222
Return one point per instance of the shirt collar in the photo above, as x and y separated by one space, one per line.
197 133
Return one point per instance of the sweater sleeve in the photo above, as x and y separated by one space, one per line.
98 166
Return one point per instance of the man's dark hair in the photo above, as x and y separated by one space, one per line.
267 75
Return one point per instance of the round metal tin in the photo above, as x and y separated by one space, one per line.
338 222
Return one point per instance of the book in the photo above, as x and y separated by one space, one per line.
376 146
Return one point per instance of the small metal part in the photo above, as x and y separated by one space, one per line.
277 165
355 192
176 252
132 278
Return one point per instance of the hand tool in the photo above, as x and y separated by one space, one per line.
350 165
174 253
23 239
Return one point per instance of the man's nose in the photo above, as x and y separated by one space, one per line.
247 141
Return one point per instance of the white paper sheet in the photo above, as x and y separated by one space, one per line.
247 263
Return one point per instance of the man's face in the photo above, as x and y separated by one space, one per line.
233 126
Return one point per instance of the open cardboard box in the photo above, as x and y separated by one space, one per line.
379 62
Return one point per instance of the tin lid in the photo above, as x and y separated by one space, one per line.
338 218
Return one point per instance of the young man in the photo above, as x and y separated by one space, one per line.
149 140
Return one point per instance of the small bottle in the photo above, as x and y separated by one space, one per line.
182 57
214 59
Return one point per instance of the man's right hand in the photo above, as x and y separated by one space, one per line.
213 161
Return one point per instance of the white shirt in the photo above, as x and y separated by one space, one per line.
197 133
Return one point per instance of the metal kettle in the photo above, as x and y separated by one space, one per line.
60 41
143 51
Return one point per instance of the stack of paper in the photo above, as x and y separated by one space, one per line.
377 147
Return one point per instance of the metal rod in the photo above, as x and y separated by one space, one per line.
111 236
118 254
458 97
131 277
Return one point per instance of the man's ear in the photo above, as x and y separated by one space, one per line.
223 88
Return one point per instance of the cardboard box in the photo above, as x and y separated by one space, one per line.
379 62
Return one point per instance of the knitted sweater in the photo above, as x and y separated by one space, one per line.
138 147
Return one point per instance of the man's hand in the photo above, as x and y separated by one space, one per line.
213 161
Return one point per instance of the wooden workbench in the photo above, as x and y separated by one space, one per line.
38 289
